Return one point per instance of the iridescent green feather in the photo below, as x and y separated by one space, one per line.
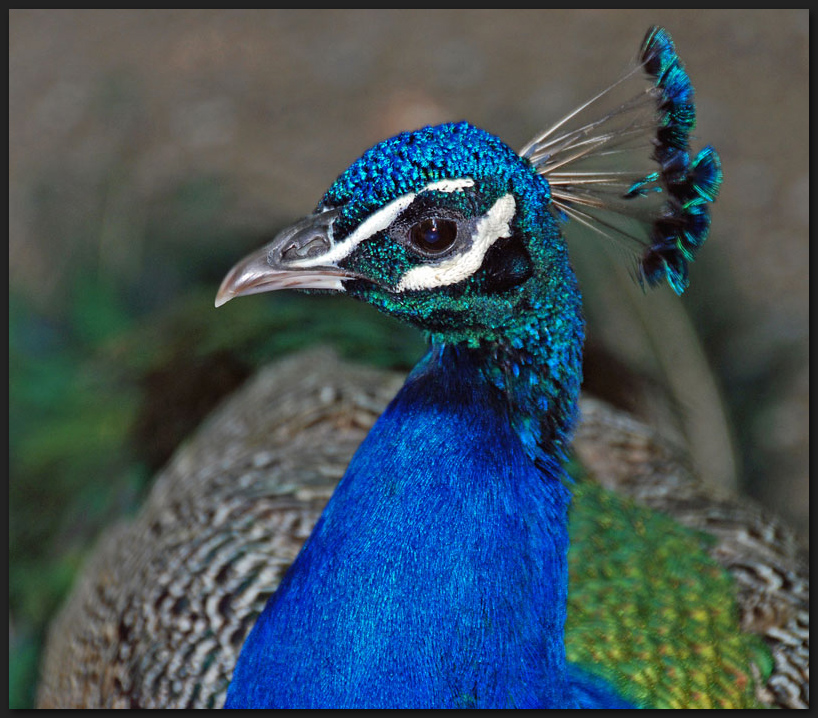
650 611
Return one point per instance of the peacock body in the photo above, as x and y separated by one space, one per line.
437 573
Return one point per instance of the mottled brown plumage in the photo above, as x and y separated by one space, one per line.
159 614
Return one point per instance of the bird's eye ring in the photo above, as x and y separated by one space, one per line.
433 235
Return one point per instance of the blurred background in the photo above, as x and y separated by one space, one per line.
149 150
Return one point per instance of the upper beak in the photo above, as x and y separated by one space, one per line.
291 261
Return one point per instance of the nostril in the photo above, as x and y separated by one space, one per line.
301 248
307 239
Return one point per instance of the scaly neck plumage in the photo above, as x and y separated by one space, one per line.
534 360
437 574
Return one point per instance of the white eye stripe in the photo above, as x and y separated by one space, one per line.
378 222
373 224
449 186
493 225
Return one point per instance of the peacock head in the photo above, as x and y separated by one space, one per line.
449 229
444 227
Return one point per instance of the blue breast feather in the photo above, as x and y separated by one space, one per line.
434 578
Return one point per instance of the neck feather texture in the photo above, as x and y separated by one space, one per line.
437 574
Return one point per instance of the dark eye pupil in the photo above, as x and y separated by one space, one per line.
433 235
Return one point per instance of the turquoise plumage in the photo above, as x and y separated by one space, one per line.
438 573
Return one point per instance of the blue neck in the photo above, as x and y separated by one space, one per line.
437 574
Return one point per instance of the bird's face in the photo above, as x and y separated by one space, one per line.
442 227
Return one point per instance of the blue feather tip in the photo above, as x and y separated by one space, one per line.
679 232
660 213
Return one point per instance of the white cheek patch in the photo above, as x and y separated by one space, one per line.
491 227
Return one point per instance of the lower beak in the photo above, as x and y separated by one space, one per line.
281 263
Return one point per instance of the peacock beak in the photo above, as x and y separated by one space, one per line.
293 260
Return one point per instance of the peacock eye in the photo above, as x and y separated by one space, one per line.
433 235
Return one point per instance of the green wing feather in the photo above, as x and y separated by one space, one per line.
652 612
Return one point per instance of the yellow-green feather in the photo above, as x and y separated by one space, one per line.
652 612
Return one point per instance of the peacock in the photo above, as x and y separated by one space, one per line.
337 536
